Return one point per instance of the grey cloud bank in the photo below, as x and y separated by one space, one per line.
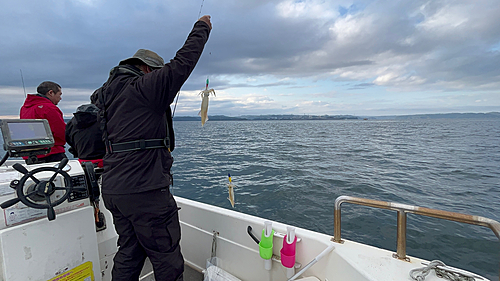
268 57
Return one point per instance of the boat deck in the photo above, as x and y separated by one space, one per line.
189 273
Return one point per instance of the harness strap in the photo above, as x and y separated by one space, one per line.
141 144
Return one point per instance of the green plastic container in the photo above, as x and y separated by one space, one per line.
266 245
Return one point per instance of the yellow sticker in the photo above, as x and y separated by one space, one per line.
83 272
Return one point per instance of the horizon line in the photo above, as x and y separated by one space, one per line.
304 114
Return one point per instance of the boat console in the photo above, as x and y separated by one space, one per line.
28 192
48 228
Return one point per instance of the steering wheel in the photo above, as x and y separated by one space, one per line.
41 190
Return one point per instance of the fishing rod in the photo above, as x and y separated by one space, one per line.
22 79
175 106
199 14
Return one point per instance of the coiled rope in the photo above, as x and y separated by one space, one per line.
442 271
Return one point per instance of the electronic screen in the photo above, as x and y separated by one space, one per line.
27 131
24 137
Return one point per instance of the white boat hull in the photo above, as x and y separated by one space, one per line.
239 254
34 248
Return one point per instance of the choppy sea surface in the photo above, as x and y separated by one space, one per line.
292 172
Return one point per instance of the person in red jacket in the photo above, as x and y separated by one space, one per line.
43 105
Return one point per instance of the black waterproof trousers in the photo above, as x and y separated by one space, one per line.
148 226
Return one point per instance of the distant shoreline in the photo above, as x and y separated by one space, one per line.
278 117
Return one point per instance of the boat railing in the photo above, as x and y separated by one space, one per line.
402 210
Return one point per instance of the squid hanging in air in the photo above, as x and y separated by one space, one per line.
204 103
230 188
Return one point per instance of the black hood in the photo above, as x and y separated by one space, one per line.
122 71
85 116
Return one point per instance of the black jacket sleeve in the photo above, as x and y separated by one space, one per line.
160 86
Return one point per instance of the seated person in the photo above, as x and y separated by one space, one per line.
43 105
84 135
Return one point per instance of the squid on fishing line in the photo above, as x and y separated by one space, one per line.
230 189
204 103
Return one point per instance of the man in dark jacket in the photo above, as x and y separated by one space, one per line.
134 107
84 135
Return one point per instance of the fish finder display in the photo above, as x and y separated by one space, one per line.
27 131
24 137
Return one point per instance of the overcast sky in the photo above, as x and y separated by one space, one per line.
364 58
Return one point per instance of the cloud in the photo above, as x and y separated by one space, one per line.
263 46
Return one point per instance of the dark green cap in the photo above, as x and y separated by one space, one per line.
148 57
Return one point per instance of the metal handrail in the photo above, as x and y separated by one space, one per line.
402 210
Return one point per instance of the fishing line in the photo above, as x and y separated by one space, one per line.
179 93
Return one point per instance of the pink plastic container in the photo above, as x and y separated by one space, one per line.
288 253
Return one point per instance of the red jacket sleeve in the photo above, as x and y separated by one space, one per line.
57 126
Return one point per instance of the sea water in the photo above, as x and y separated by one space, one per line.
292 171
